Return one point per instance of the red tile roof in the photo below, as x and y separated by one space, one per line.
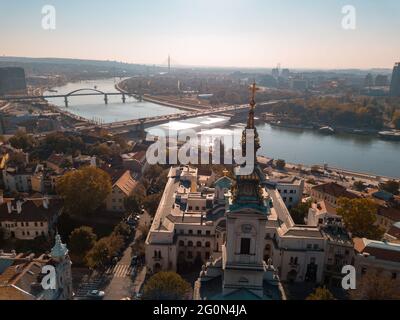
335 190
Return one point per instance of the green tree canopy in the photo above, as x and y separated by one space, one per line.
391 186
133 203
300 212
99 255
81 241
84 190
280 164
321 294
374 286
151 203
167 286
22 141
359 216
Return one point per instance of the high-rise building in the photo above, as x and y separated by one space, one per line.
12 80
395 84
369 81
381 80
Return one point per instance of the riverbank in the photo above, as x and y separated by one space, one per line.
393 135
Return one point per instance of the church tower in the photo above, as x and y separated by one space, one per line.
243 261
62 261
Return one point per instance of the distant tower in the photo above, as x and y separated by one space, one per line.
59 254
395 84
169 64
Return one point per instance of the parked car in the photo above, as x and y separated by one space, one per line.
96 294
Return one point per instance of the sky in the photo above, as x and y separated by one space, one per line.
226 33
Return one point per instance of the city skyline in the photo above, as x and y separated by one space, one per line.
251 34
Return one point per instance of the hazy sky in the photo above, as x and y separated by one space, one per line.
242 33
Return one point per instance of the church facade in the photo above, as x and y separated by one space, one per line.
237 231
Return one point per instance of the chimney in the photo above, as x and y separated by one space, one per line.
9 207
45 202
19 206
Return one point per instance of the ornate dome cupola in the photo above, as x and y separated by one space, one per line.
60 249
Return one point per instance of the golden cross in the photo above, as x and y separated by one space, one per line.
254 89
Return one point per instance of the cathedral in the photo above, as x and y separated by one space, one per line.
238 232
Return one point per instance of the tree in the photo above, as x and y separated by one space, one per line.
280 164
167 286
373 286
359 186
133 204
122 229
359 216
300 212
391 186
81 241
151 203
84 190
99 255
21 141
115 243
321 294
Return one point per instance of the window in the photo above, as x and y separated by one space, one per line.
290 199
41 224
316 246
36 224
181 243
190 231
394 275
199 232
198 244
208 244
37 233
245 246
208 233
207 256
190 244
190 254
197 208
181 231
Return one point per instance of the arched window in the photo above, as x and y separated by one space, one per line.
198 244
190 244
181 243
208 244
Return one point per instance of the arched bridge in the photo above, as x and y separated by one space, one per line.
75 93
84 89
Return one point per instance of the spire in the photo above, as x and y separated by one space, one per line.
250 120
59 250
248 191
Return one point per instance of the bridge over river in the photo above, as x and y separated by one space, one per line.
144 123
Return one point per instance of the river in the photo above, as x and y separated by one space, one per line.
358 153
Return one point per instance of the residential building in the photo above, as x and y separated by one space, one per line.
12 81
331 192
377 257
291 189
28 218
123 186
